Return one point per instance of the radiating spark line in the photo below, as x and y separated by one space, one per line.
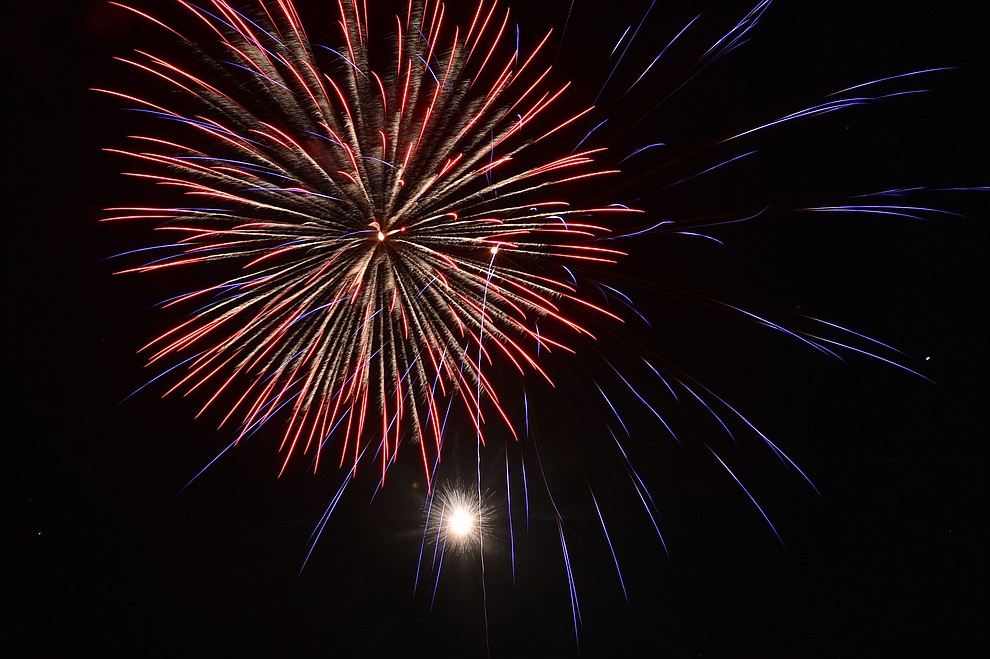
615 559
749 496
508 510
642 492
662 52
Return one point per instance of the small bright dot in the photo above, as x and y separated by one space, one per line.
381 237
461 522
494 250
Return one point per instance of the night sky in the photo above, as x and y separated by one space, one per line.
113 555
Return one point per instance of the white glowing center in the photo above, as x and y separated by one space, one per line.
461 522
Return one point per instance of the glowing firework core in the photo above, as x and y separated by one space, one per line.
461 522
459 517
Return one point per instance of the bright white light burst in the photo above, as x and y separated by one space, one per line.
459 518
461 522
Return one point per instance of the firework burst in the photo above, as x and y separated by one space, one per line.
397 229
384 233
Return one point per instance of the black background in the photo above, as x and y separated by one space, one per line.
110 557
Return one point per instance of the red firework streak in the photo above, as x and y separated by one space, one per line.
380 227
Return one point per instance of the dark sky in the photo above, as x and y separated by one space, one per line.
112 556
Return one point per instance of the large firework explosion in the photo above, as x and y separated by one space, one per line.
389 235
404 227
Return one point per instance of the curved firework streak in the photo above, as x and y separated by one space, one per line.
385 233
